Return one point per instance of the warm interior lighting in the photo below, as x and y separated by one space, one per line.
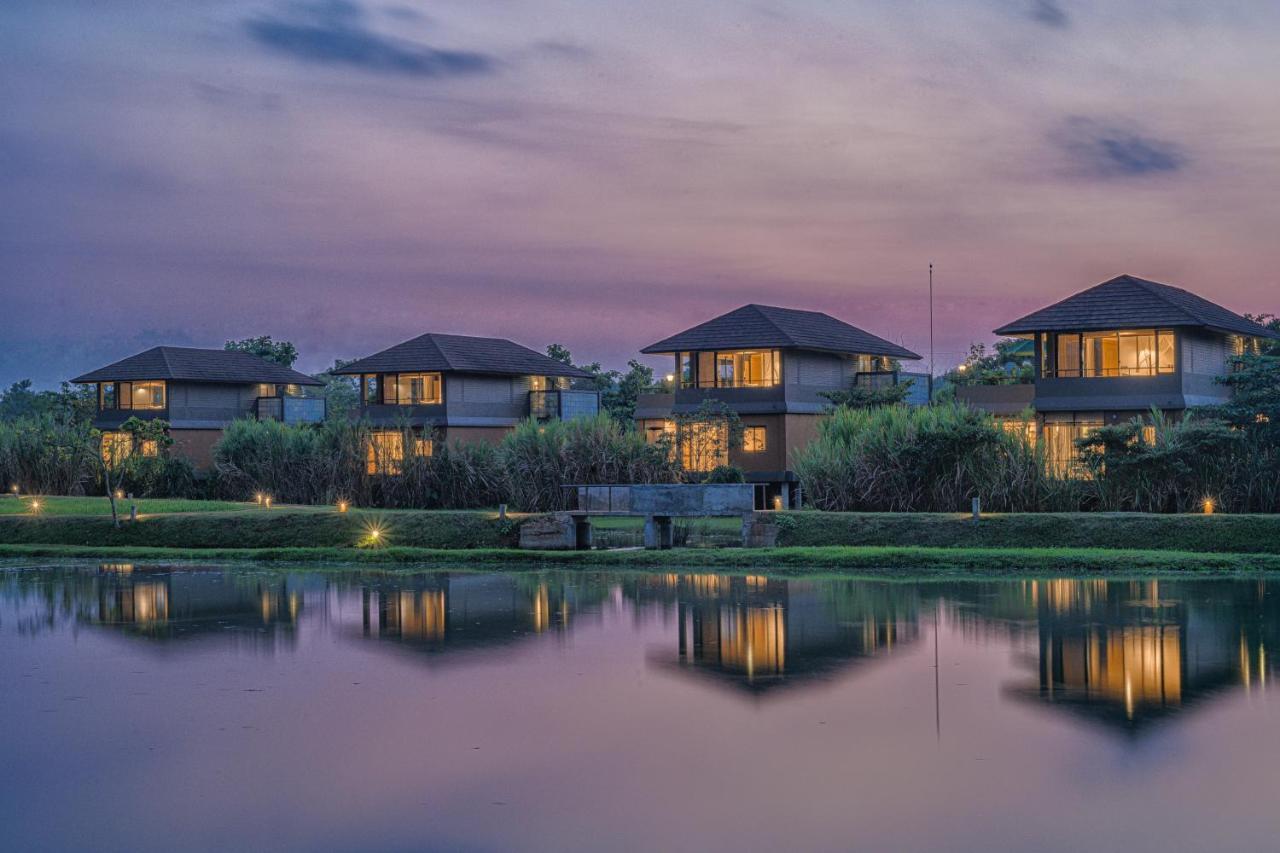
671 377
777 501
1208 506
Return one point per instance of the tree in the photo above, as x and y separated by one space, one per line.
341 392
870 398
1272 322
279 352
620 399
705 437
1004 366
69 403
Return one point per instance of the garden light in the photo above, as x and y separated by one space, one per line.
258 498
267 501
35 507
1208 506
119 494
342 506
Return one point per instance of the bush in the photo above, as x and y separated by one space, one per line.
540 459
45 454
725 474
927 459
293 463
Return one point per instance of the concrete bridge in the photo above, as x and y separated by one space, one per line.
659 504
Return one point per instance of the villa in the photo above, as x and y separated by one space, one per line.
198 392
771 367
439 387
1115 352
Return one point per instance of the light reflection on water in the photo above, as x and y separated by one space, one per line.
149 708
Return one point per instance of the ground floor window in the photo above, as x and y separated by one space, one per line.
1060 437
116 447
385 453
755 439
704 445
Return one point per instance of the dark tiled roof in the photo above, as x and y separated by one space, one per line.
197 365
462 354
764 326
1128 302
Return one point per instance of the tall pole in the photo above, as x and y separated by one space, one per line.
931 332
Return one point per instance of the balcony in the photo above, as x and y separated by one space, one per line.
290 410
874 380
563 405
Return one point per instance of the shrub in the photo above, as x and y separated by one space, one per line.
45 454
539 459
928 459
726 474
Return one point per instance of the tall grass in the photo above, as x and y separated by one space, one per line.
539 459
926 459
45 454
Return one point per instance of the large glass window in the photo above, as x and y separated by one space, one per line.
385 452
704 445
417 389
107 395
142 395
684 368
116 447
755 439
1060 447
738 369
1103 354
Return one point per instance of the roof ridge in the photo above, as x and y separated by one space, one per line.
1154 288
431 338
765 316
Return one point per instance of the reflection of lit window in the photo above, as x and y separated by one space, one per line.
753 439
385 452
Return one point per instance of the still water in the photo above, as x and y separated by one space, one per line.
145 708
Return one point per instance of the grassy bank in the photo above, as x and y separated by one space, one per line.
840 560
260 528
101 506
1239 534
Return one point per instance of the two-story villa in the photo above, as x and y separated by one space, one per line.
439 387
1116 351
198 392
770 366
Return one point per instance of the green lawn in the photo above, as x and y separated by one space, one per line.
898 562
102 506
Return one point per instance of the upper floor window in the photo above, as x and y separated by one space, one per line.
141 395
265 390
735 369
403 389
548 383
107 395
1144 352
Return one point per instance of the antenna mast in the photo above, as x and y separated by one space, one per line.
931 370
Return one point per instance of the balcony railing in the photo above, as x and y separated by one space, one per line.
1107 372
563 405
290 410
875 379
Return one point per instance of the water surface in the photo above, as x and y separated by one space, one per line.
146 708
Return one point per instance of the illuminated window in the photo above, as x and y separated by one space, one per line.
116 447
385 452
107 395
423 447
754 439
1130 353
150 447
703 446
1026 428
265 390
1061 451
142 395
742 369
656 431
415 389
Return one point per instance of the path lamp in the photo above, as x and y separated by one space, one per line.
1208 506
342 506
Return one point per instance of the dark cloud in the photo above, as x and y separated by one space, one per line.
1114 151
564 50
1049 13
332 33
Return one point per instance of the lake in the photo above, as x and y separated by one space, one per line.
148 708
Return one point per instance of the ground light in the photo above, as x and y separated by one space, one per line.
35 507
1208 506
374 536
119 495
342 506
266 501
258 498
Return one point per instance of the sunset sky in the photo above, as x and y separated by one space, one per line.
601 174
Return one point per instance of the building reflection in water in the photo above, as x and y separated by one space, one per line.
756 633
163 604
1127 653
439 612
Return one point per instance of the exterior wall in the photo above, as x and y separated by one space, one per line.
196 445
1004 400
477 435
470 400
1202 357
800 430
773 459
208 405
